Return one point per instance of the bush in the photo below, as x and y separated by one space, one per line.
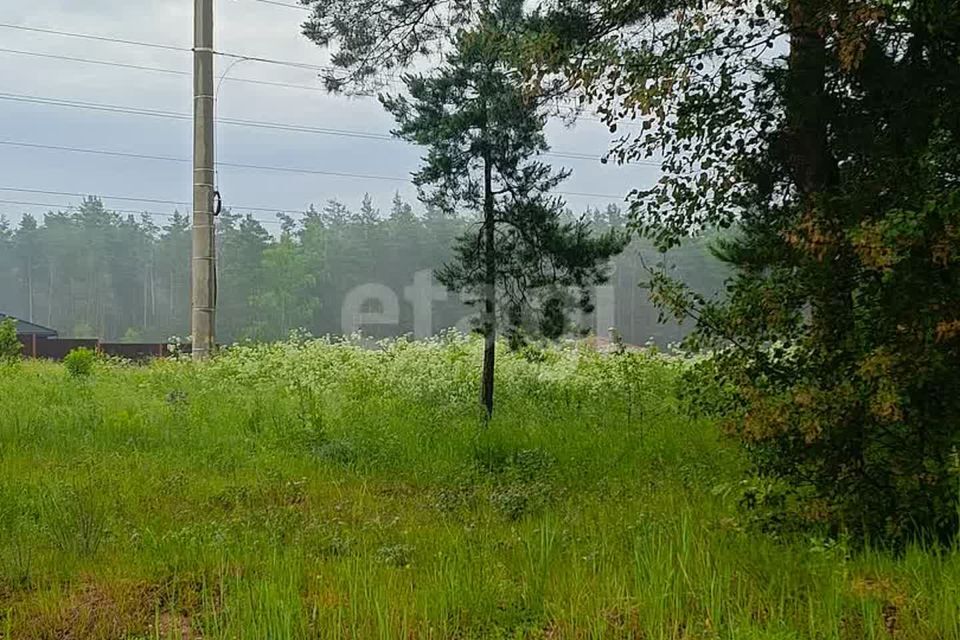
867 450
79 362
10 346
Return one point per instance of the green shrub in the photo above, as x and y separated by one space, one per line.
79 362
10 346
857 452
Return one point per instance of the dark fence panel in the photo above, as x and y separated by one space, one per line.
135 351
58 348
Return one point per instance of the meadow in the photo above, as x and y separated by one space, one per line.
314 489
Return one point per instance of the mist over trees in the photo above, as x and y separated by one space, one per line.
91 272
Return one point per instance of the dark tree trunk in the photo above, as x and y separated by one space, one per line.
806 105
814 171
489 318
50 285
30 288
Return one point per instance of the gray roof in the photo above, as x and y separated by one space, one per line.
25 328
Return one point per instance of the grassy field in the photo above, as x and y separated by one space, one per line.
325 491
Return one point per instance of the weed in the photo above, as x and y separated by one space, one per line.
74 518
79 362
10 347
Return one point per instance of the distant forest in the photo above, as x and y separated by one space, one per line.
90 272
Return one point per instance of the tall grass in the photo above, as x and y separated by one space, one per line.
320 490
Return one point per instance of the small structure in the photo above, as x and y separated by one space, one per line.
43 342
30 329
29 333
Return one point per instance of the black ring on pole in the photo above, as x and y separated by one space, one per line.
218 203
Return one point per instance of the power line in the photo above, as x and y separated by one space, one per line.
141 43
167 47
178 72
60 205
155 45
274 61
73 194
173 115
25 203
93 106
122 65
297 170
234 56
87 36
99 152
137 67
257 124
288 5
84 195
236 165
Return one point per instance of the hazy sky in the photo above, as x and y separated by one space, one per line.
244 27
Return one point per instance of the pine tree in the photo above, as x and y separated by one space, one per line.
482 132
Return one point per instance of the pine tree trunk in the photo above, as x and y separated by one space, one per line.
815 170
30 288
50 293
489 293
153 289
146 292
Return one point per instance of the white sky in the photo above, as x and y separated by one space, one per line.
243 27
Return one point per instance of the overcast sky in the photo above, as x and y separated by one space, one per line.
244 27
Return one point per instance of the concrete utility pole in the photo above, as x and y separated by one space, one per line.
203 264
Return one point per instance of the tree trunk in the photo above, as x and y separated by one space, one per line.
153 289
146 294
806 104
30 288
814 172
489 317
50 284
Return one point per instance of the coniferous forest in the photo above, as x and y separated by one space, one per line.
91 272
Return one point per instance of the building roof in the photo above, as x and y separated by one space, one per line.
25 328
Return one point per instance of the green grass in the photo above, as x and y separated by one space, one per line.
323 491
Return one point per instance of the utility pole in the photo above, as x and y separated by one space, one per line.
203 264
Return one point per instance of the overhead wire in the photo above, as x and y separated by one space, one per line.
257 124
258 167
226 54
233 208
74 194
146 156
167 47
228 121
89 36
58 205
137 67
288 5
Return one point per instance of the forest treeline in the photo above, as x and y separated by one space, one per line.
91 272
